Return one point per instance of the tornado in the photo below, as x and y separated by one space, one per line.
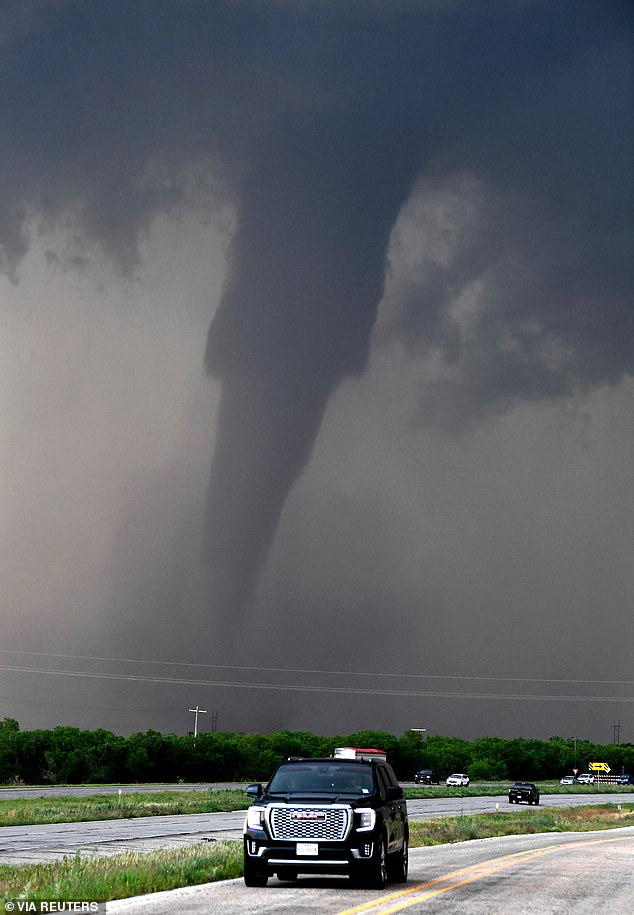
307 270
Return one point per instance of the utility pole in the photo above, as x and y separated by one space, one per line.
616 731
214 721
197 711
421 734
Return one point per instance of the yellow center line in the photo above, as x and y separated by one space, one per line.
474 872
366 906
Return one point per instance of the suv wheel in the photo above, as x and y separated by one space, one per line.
399 863
253 876
377 868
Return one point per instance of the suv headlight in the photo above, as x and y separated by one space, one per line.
367 819
255 817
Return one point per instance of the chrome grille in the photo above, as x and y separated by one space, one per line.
299 823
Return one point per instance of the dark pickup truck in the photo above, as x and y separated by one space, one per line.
427 777
524 791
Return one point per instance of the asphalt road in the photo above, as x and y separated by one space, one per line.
580 873
50 842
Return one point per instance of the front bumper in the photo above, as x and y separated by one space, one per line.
324 857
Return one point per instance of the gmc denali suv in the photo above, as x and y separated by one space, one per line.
332 816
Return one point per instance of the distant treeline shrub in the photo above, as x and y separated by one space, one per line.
67 755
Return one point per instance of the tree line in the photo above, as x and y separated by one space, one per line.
69 755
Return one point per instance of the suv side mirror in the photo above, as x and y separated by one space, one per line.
394 793
254 791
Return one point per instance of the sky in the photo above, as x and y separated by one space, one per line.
316 332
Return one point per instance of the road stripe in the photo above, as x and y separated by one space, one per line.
474 872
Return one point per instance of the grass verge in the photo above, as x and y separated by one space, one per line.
521 822
33 811
118 877
131 874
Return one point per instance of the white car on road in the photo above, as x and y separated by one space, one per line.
458 780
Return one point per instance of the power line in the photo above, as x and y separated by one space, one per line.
232 684
308 670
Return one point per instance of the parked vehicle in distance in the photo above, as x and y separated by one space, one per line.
427 777
333 816
458 780
568 780
625 780
524 792
585 779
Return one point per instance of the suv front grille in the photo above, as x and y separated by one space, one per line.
299 823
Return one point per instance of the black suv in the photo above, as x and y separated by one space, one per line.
524 791
333 816
427 777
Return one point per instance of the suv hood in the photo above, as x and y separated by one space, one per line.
354 800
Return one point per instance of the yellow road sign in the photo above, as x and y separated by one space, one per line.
599 767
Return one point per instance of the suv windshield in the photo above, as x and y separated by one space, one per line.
326 778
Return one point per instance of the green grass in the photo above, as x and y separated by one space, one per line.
120 876
32 811
131 874
529 820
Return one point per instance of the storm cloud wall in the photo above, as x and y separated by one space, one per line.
492 142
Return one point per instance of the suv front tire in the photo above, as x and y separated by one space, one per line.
398 863
252 875
372 874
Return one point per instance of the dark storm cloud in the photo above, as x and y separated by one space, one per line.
550 243
18 17
317 119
